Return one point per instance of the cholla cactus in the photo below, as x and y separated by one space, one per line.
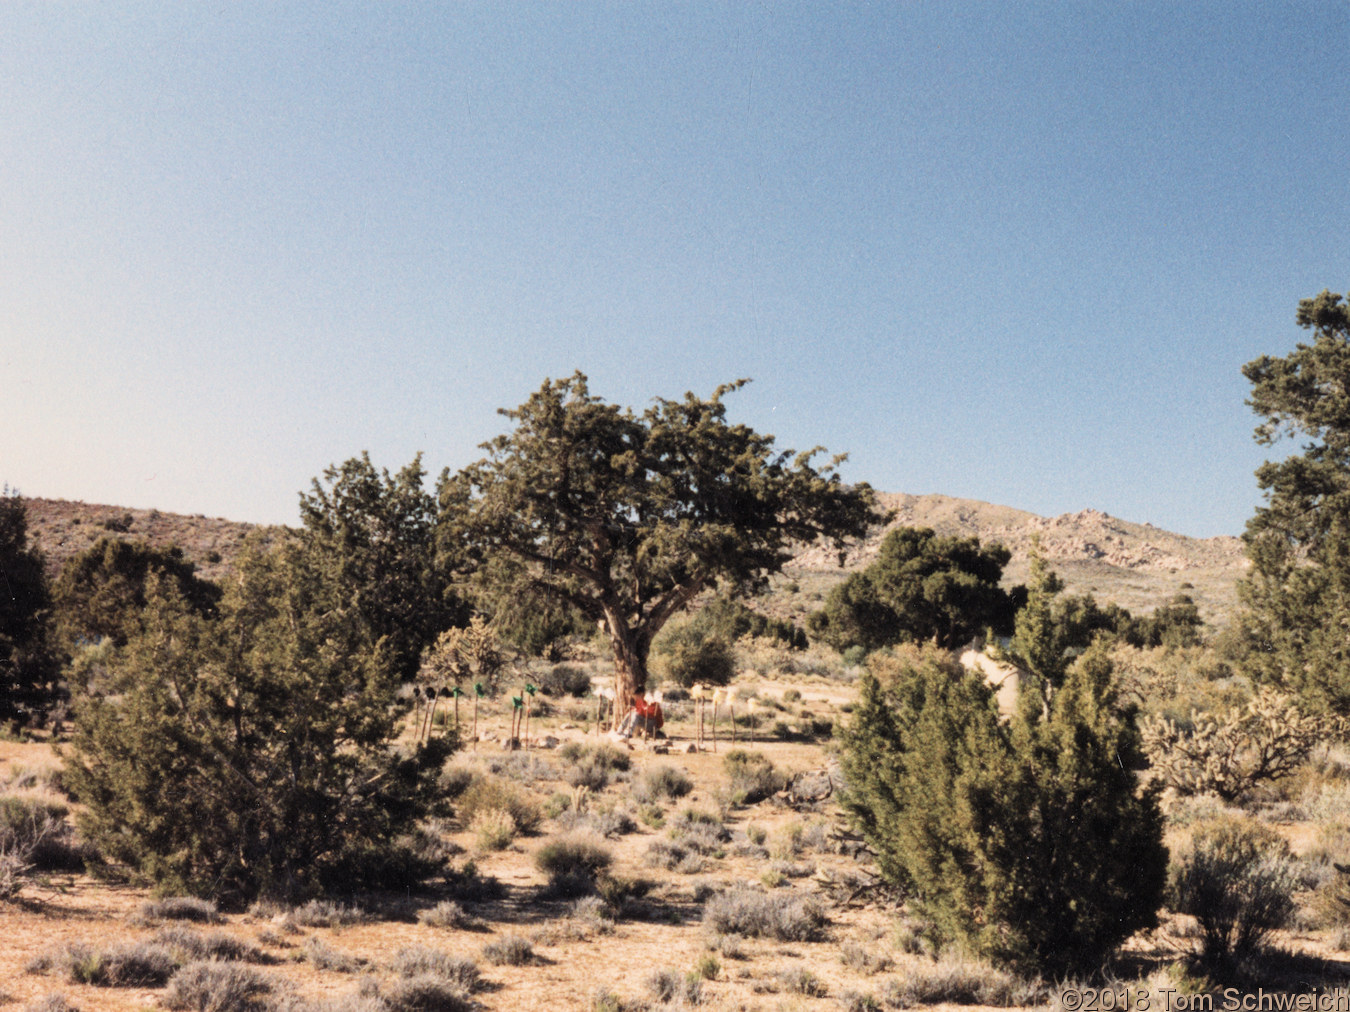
1267 739
457 654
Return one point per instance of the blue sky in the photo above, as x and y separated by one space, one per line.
1011 252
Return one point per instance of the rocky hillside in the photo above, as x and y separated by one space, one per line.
63 528
1136 565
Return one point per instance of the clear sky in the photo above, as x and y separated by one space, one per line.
1014 252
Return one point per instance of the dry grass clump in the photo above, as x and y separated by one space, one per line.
957 982
608 822
509 950
701 832
137 964
493 829
862 959
800 980
449 914
328 914
522 767
785 916
217 987
594 766
34 833
661 781
671 856
178 908
322 956
189 946
487 793
56 1002
422 961
752 776
671 987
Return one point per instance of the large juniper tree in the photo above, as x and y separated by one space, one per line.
1297 594
629 517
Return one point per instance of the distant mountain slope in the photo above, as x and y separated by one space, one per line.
1138 566
63 528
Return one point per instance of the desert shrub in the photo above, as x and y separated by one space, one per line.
328 914
566 680
34 831
784 916
509 950
179 908
217 987
666 855
1268 738
51 1003
863 959
572 864
608 822
136 964
1237 881
685 655
419 960
594 766
455 780
1027 840
468 885
491 793
702 832
522 767
247 754
752 775
425 994
800 980
660 781
188 946
493 829
671 986
322 956
956 982
448 914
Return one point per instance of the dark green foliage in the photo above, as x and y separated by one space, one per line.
248 754
630 517
1028 841
1175 624
920 588
1296 594
371 538
729 618
102 591
572 864
27 664
686 655
1236 880
566 680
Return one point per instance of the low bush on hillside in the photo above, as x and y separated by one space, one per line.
661 781
217 987
783 916
138 964
566 680
510 950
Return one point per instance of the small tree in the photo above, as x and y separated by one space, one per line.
248 754
372 537
1028 841
921 587
27 664
630 517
